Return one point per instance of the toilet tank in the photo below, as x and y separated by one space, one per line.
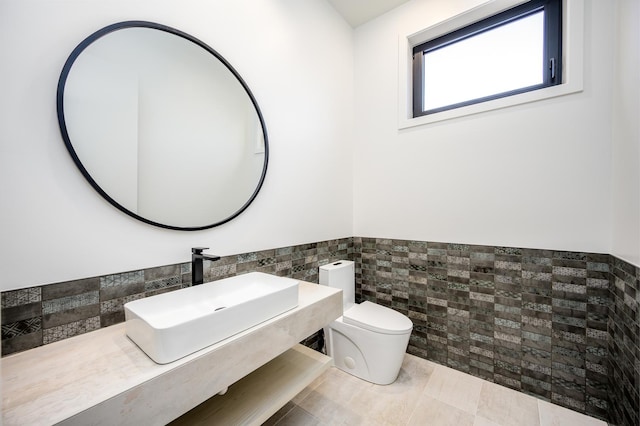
340 274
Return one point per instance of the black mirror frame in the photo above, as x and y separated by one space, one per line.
65 135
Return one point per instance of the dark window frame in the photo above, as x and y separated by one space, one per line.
551 62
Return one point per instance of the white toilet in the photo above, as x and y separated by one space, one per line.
368 341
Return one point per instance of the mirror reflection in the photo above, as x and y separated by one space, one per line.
162 126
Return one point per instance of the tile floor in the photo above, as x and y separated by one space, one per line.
425 393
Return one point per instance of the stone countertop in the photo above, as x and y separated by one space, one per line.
102 377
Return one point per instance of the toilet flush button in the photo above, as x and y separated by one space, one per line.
349 362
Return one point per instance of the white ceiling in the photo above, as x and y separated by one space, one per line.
357 12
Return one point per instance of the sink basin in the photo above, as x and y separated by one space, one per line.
172 325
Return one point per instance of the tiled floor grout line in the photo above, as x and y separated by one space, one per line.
417 402
539 412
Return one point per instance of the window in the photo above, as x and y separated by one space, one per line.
516 51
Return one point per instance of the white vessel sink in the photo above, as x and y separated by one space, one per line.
172 325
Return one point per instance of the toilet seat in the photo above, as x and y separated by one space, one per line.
377 318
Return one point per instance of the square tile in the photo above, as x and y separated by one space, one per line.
454 388
507 407
433 412
554 415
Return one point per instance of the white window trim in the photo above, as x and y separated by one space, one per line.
572 62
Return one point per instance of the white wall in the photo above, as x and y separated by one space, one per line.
626 134
297 58
559 174
535 175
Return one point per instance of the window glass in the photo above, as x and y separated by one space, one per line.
500 60
513 52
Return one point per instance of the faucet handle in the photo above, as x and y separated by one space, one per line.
198 250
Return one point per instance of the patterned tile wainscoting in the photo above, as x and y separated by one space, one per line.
539 321
562 326
624 343
40 315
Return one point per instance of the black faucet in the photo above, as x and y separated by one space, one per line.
196 263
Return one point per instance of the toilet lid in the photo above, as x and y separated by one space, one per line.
377 318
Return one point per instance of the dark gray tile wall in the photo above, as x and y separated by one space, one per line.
36 316
531 320
563 326
624 343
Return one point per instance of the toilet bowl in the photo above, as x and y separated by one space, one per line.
369 340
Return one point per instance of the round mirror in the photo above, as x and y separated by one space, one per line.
162 126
